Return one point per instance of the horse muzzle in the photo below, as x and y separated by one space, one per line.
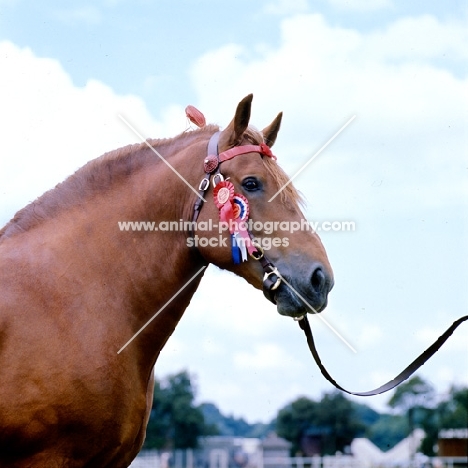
296 296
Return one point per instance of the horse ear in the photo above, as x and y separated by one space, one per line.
271 132
232 134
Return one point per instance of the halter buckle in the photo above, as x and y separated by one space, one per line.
259 253
204 184
275 272
219 176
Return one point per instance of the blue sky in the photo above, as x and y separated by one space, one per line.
398 171
147 48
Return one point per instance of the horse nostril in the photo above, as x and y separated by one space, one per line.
318 280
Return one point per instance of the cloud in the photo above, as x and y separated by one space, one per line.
211 345
232 307
456 344
419 39
369 336
447 376
52 127
265 356
402 82
175 349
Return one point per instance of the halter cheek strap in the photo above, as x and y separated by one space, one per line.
271 275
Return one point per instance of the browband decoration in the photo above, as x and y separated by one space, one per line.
262 148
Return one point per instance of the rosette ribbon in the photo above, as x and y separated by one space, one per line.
234 210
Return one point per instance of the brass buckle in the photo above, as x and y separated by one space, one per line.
259 253
298 319
276 273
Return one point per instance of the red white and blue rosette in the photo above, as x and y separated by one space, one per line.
234 210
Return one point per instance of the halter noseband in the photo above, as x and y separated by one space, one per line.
271 276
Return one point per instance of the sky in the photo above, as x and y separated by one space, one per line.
398 170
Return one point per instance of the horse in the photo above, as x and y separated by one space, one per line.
76 287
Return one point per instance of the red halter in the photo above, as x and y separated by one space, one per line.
271 277
237 150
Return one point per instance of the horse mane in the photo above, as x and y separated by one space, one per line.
96 176
100 174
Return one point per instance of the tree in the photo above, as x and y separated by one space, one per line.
336 413
416 392
365 414
333 418
175 422
452 413
293 420
231 426
414 398
388 430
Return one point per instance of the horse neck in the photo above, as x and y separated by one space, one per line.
131 274
158 265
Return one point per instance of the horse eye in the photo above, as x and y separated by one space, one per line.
251 184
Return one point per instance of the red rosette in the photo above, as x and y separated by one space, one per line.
240 207
223 193
195 116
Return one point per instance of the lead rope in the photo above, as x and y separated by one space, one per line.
272 277
401 377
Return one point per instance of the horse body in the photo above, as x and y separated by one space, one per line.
75 289
67 284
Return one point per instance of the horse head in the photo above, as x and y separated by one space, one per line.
248 185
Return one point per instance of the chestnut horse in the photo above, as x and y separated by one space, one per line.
75 288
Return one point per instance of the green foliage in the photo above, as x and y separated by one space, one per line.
336 413
413 393
333 418
387 431
416 399
175 421
454 411
365 415
451 413
293 420
231 426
